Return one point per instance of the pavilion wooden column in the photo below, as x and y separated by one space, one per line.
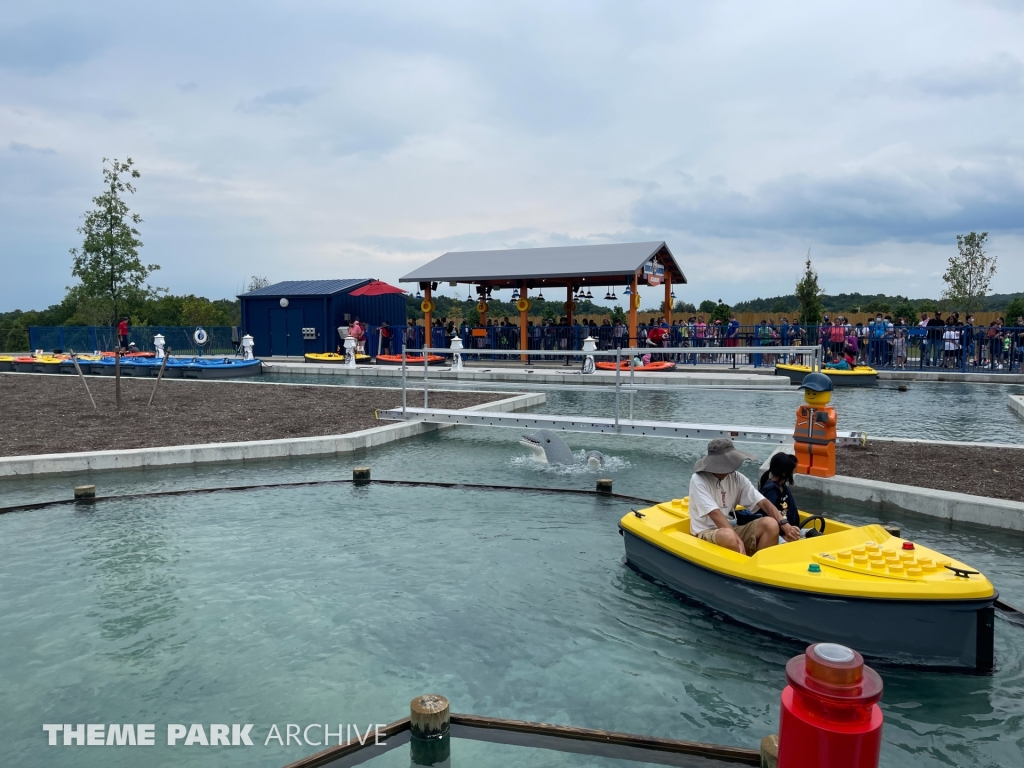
524 329
668 297
632 312
428 317
568 301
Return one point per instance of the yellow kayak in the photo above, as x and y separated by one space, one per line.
855 585
861 376
331 357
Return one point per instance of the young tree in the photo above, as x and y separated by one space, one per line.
969 273
720 312
108 264
809 294
256 282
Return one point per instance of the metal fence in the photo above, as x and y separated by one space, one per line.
178 338
990 348
959 348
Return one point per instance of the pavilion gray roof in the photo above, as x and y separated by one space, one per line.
573 262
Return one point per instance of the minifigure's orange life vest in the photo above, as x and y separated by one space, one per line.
814 440
815 425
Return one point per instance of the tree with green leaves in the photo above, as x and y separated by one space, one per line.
1014 310
809 294
969 273
111 274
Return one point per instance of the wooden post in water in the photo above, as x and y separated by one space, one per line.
770 751
82 377
85 493
604 485
361 475
429 726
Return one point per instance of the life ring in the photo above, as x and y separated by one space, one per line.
481 307
569 306
636 301
523 305
200 337
427 306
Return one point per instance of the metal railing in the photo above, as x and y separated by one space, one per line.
812 355
893 347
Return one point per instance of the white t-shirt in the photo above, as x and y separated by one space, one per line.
708 493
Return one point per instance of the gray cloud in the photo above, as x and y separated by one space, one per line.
43 46
281 98
1001 75
847 209
28 149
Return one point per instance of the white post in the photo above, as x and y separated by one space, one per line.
247 344
589 345
350 352
456 348
158 344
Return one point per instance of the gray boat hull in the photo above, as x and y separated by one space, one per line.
945 633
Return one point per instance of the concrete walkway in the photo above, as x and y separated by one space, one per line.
538 375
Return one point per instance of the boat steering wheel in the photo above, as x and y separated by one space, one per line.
812 519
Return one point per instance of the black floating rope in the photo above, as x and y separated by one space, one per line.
263 486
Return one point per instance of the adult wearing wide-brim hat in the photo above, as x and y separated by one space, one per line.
716 488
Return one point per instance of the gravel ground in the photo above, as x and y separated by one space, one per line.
994 472
52 414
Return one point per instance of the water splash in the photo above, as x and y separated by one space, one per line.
581 467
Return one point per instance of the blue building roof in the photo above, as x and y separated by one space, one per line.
306 288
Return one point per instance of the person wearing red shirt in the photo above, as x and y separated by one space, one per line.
122 334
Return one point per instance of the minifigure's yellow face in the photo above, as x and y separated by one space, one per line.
816 398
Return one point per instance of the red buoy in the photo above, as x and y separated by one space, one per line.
830 712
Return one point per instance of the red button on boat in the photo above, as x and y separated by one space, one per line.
908 545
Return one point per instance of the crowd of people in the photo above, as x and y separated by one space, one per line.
936 340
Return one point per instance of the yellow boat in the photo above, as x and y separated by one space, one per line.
331 358
861 376
38 363
6 363
855 585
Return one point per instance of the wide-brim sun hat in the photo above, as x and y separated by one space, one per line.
723 457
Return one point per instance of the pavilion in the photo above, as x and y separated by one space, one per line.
574 268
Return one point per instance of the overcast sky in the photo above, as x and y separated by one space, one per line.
317 140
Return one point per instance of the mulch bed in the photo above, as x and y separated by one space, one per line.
993 472
51 413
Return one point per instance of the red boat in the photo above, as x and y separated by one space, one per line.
625 365
409 359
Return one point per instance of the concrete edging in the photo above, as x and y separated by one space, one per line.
539 375
1017 404
253 450
955 507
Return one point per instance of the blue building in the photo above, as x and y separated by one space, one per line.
295 317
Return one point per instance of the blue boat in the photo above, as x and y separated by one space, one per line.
221 368
176 368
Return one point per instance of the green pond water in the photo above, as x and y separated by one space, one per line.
335 604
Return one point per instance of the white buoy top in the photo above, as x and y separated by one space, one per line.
837 654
